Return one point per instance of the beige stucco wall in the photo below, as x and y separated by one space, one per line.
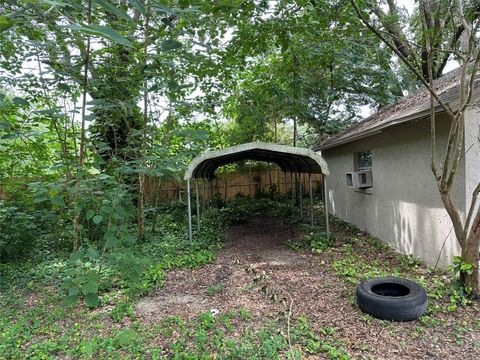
403 207
472 153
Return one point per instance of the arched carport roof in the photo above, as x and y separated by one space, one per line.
288 158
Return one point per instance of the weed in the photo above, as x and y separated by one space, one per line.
378 244
244 314
301 332
429 321
215 289
354 268
418 330
319 242
295 244
367 319
408 261
121 311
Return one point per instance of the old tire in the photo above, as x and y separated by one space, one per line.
392 299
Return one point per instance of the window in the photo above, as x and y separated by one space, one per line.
361 179
363 160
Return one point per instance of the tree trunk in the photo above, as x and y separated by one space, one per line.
141 176
470 254
76 220
76 231
294 131
141 207
155 216
275 130
454 217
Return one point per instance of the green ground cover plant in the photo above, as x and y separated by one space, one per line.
37 322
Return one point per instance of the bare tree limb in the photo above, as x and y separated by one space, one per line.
429 46
432 91
473 204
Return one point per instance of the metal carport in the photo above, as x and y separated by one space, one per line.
289 159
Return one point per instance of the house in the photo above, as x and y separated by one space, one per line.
381 178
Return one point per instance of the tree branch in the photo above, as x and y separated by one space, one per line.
473 204
432 91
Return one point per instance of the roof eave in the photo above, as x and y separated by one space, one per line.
378 129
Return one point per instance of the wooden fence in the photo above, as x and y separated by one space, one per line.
230 185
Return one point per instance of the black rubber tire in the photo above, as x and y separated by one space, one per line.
394 308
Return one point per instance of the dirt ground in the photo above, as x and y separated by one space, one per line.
254 264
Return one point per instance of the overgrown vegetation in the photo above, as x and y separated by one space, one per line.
38 297
217 335
352 260
38 321
95 96
99 96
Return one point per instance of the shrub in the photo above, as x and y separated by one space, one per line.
22 230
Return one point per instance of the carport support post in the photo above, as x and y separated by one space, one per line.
204 193
211 192
189 211
327 224
300 194
312 221
292 187
198 205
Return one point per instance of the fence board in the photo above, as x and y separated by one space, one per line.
230 185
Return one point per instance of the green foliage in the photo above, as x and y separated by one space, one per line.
213 74
86 334
240 209
460 266
112 260
313 239
141 268
208 335
5 23
25 231
88 178
444 294
409 261
244 314
28 144
215 289
314 344
319 242
199 257
459 293
121 311
310 63
19 231
295 245
82 279
355 268
77 331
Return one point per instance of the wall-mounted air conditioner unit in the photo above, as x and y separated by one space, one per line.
359 179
